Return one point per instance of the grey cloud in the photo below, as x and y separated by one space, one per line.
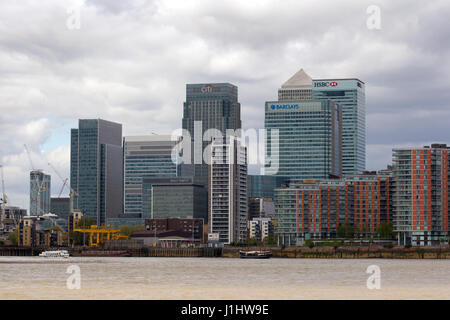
130 62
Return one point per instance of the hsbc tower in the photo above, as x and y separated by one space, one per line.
350 93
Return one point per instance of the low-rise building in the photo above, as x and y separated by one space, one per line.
38 231
193 227
260 228
315 209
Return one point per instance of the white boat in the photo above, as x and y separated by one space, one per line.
55 254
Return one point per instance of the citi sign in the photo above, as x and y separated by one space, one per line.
325 84
284 106
207 89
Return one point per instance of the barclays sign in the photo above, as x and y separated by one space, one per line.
284 106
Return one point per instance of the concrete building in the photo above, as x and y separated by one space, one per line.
40 190
178 197
228 190
316 209
209 106
96 162
260 228
421 202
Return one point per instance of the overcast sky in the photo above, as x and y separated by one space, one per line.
130 60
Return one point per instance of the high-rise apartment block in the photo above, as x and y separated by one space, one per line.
228 190
421 202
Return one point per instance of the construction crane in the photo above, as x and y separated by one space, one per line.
39 186
62 188
4 198
73 194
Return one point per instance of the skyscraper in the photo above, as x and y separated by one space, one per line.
40 190
145 157
228 190
96 168
350 93
309 133
209 106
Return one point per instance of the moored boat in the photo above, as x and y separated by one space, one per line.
255 254
55 254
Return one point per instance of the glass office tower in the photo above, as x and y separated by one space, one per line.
309 144
145 157
213 106
350 93
96 168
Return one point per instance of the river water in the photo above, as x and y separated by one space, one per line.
220 278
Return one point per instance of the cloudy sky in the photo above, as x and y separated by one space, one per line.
129 62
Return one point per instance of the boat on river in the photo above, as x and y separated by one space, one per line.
55 254
255 254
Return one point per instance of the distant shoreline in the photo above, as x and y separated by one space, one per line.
319 252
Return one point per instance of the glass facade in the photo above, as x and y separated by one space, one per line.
309 144
145 157
216 106
350 93
96 168
180 197
60 207
259 186
39 200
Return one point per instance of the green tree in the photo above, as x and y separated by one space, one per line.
127 230
86 223
14 237
345 230
386 230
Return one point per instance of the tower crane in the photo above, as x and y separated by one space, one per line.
73 194
4 200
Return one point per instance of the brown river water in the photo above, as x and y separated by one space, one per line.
221 278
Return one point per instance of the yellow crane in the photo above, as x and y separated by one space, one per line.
99 233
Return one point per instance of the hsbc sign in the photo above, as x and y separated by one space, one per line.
325 84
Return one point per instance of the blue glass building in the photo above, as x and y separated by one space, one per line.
96 168
146 157
350 93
